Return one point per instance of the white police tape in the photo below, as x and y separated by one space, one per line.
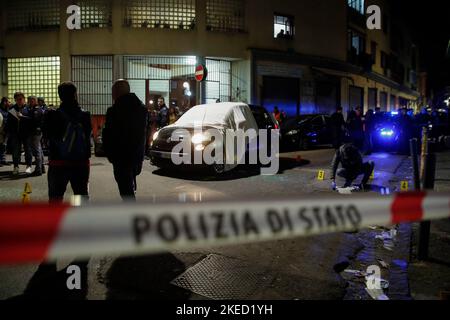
54 232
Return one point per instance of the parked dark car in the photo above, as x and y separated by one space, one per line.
306 131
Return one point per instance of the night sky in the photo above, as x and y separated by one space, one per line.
430 22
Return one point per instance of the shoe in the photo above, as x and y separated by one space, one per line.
36 174
29 170
16 171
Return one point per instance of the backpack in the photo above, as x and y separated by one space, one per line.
74 143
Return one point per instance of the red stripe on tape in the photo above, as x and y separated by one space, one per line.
27 232
408 207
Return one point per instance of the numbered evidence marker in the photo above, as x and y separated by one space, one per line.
321 175
25 198
404 186
27 189
26 193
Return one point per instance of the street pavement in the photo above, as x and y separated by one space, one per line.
301 268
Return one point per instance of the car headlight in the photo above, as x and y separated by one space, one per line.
292 133
199 138
155 136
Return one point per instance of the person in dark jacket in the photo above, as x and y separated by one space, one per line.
33 139
68 130
349 157
124 138
18 127
337 128
4 110
163 113
355 126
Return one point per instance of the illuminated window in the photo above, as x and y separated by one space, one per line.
283 27
95 13
32 14
357 5
37 76
93 76
225 15
166 14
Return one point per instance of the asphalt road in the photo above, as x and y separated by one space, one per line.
293 269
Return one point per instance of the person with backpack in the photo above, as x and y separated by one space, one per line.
350 158
68 130
124 138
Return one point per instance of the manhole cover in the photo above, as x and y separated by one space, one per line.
222 278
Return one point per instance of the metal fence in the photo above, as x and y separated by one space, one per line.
93 76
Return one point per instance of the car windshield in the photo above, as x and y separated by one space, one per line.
201 116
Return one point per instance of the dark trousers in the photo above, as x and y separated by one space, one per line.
33 148
16 144
350 175
60 176
125 175
2 152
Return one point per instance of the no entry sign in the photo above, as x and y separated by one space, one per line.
201 73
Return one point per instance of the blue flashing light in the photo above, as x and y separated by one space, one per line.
394 113
387 133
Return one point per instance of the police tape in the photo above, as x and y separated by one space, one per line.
38 232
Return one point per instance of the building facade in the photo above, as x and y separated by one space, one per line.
302 56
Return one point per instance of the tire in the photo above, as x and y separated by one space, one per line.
304 144
218 169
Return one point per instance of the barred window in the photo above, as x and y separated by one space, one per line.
32 14
39 76
93 75
225 15
95 13
166 14
357 5
218 84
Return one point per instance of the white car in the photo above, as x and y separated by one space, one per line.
193 128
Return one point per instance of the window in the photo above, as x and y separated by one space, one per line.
37 76
384 60
373 51
95 13
357 5
283 27
93 75
356 42
32 14
166 14
225 15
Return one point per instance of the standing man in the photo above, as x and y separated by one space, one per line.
124 137
337 128
33 140
68 130
163 113
355 126
18 127
4 108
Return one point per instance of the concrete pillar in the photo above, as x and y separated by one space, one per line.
64 43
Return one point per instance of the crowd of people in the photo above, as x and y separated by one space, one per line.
21 129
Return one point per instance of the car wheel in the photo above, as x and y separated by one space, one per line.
218 168
304 144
